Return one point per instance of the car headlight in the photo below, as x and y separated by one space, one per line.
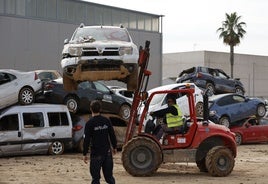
212 113
75 51
125 51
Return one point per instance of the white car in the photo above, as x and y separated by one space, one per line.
122 92
100 53
159 101
18 86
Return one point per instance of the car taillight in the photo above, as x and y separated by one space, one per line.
48 86
198 75
77 128
35 76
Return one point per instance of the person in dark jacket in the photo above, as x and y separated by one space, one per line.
101 139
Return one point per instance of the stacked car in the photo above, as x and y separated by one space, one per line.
227 104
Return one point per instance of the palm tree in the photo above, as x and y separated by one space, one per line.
231 32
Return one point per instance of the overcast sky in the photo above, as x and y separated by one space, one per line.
190 25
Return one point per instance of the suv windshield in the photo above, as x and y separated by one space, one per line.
101 34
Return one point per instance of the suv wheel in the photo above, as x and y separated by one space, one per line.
199 109
261 110
69 84
239 90
132 81
224 121
211 88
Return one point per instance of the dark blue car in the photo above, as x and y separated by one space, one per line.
216 80
229 108
79 100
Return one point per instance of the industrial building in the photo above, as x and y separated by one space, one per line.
33 31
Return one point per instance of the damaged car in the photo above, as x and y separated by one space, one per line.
99 53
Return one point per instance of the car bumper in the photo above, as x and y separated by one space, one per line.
93 70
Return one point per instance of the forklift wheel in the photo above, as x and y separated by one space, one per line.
220 161
141 156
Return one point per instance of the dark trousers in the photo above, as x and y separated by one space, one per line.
104 162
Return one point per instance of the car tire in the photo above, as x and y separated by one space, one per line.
56 148
26 96
220 161
124 111
72 104
132 81
225 121
239 90
211 88
199 109
238 139
80 146
261 110
69 84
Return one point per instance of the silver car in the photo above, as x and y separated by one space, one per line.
17 86
35 129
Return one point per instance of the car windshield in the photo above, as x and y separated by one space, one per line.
101 34
157 99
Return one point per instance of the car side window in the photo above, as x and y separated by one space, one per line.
238 99
4 78
225 101
101 87
9 123
204 70
212 72
222 75
33 120
57 119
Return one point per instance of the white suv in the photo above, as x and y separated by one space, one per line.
99 53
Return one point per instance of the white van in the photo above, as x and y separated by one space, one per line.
35 129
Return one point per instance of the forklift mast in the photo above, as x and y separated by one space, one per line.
143 78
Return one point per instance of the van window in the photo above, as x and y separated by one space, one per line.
33 120
9 123
58 119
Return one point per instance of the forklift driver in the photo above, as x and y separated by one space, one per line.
172 117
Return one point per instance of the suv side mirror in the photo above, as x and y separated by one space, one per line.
66 41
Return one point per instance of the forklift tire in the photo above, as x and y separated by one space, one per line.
132 80
141 156
202 165
220 161
69 84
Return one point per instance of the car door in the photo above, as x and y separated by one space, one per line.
223 82
87 93
10 135
256 132
238 108
8 89
34 133
105 95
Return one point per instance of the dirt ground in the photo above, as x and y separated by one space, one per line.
251 167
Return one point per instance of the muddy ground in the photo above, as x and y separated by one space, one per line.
251 167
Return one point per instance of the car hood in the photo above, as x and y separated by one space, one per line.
104 43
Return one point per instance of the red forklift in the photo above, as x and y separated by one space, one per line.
212 147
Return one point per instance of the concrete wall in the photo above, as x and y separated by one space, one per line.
251 69
29 44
